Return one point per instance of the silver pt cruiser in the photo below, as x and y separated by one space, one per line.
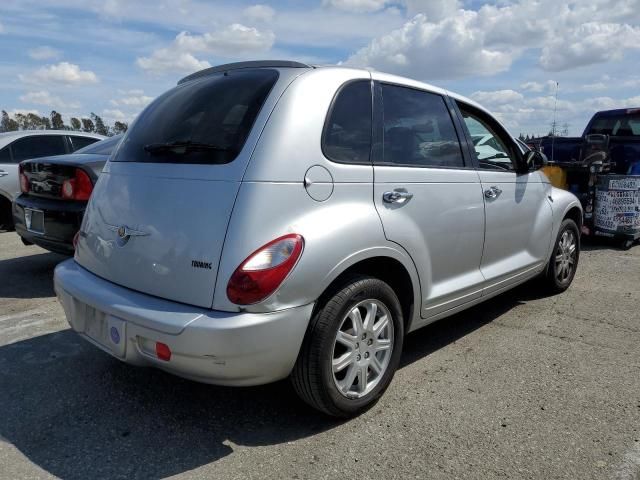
264 220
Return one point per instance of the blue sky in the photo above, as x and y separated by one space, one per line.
114 56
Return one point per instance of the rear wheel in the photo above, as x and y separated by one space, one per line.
352 348
564 259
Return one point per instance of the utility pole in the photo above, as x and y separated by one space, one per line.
553 138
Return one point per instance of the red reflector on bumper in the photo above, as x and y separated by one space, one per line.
163 352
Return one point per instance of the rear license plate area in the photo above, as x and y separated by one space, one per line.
106 330
34 220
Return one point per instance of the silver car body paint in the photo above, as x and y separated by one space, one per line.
457 247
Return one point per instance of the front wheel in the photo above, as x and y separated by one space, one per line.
564 259
352 348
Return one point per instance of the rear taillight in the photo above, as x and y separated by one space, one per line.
264 270
24 181
78 187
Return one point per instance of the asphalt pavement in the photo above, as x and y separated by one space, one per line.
522 386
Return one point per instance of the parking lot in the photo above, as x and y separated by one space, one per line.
524 386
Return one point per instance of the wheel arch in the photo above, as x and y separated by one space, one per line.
390 269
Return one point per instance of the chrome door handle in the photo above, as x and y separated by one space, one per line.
397 196
3 173
492 192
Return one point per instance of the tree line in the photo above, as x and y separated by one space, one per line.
31 121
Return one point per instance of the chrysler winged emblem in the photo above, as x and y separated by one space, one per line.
124 232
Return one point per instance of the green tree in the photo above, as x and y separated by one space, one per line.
100 128
119 127
75 124
87 125
8 124
56 120
21 119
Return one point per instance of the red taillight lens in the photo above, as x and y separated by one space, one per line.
24 181
264 270
77 188
163 352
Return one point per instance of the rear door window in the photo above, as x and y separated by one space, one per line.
103 147
36 146
347 132
5 155
418 129
81 142
204 121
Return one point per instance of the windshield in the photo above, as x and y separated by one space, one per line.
205 121
103 147
619 125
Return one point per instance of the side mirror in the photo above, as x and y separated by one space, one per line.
534 160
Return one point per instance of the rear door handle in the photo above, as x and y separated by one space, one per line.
397 196
492 192
3 173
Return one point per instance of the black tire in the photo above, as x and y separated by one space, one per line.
626 244
313 377
552 280
6 217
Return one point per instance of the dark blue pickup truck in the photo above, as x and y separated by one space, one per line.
623 130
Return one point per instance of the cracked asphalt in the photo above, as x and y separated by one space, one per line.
523 386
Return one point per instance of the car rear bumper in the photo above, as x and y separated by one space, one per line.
61 222
206 345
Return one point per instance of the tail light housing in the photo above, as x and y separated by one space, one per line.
77 188
24 181
264 270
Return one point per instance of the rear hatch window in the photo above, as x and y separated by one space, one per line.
205 121
618 125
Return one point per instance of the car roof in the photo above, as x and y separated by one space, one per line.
8 137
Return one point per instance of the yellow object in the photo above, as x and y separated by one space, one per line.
557 176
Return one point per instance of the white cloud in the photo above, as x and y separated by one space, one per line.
446 41
435 10
450 48
62 73
231 41
44 53
43 97
259 13
497 97
589 43
358 6
117 114
136 99
537 87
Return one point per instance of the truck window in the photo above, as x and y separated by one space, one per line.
617 125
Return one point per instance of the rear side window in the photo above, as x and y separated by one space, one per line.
418 129
103 147
347 132
5 156
81 142
36 146
205 121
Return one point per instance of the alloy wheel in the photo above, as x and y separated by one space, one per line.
362 348
566 253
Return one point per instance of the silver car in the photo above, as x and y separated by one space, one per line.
265 220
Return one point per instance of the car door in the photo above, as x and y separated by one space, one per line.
9 184
518 214
32 146
427 194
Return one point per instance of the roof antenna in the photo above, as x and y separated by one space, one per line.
553 131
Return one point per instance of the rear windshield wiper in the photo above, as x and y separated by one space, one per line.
184 147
